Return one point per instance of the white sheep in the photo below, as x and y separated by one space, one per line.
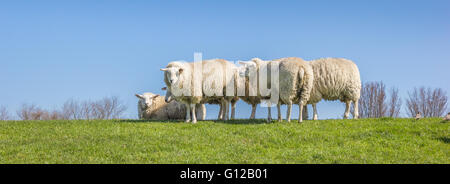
251 71
222 110
154 107
335 79
195 87
295 85
170 98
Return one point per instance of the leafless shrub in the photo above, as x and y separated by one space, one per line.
4 114
372 103
86 110
395 103
430 103
71 110
107 108
28 112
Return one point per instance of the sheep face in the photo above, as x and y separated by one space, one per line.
172 74
146 100
246 69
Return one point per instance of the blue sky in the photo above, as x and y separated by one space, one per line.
51 51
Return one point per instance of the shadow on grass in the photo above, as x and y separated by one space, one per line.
445 140
148 121
244 121
237 121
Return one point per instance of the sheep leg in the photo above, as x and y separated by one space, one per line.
226 110
300 115
347 109
194 117
305 112
188 113
279 112
269 113
203 111
288 112
252 116
316 116
220 112
356 111
233 110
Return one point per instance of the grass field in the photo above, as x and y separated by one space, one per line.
240 141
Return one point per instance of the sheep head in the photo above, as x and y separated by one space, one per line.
246 68
146 100
172 74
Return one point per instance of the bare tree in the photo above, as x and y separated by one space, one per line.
4 114
430 103
395 103
86 110
52 115
107 108
372 103
71 110
33 112
28 112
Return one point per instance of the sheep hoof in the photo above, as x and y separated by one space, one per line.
187 121
194 122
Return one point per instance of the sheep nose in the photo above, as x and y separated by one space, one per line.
171 81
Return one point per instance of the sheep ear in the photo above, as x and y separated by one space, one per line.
139 96
181 70
164 88
164 69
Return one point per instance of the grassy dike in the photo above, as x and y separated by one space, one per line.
241 141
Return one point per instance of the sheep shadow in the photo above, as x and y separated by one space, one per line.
148 121
244 121
445 140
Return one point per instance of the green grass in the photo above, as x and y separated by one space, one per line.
241 141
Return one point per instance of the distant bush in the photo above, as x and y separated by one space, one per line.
374 101
106 108
4 114
429 102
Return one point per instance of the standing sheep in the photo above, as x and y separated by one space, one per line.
194 87
252 70
154 107
169 98
296 83
335 79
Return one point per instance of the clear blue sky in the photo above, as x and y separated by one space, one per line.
51 51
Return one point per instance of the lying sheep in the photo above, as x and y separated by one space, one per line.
447 118
296 82
154 107
335 79
194 87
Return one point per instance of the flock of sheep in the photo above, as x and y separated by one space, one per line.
284 81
